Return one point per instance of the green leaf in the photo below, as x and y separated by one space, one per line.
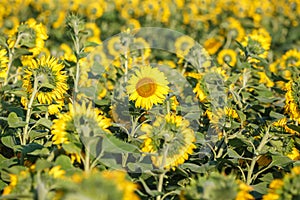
193 167
35 135
260 189
71 148
40 152
91 44
233 154
64 161
2 185
21 51
14 121
276 115
8 141
279 160
42 164
29 148
47 85
19 93
114 145
44 122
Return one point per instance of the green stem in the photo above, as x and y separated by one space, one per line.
126 67
160 184
29 111
11 53
77 50
257 155
87 160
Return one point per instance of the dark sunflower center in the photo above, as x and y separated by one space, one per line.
146 87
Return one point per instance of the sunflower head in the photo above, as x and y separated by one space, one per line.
33 36
257 44
227 56
292 100
169 139
147 86
52 81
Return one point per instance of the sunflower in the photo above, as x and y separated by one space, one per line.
292 101
283 124
92 35
212 45
119 178
257 43
3 63
294 154
36 34
264 78
52 80
234 28
132 24
147 86
227 56
170 138
64 126
183 44
285 188
114 46
291 58
243 191
95 9
142 48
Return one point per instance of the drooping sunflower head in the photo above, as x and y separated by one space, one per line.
33 36
291 59
257 44
147 87
85 114
292 100
52 81
169 139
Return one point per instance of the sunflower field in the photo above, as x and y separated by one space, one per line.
142 99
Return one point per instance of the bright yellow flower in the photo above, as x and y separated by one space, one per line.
212 45
294 155
243 193
259 45
291 58
265 79
127 187
292 101
147 87
3 63
183 44
179 138
227 56
48 71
